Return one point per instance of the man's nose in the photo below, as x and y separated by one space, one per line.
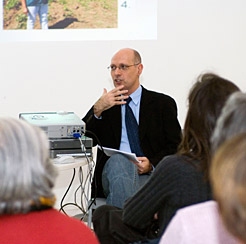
117 70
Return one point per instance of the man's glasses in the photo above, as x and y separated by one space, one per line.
121 67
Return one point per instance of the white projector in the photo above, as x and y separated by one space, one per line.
56 124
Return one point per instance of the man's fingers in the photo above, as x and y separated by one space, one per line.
112 98
118 90
121 98
105 91
121 92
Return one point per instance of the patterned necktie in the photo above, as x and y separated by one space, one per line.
132 130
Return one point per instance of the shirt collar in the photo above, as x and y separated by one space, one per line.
135 96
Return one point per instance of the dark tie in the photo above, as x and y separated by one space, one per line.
132 130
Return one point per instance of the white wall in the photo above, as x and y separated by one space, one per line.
193 36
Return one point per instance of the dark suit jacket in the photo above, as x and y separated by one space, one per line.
159 130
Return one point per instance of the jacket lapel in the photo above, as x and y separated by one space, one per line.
145 112
116 124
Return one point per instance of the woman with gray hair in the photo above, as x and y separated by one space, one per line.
26 199
232 120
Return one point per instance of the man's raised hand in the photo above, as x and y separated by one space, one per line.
110 99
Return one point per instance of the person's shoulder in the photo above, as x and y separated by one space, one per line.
172 159
160 98
200 214
170 162
156 94
63 219
73 226
176 165
199 208
197 216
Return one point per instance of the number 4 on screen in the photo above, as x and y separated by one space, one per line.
124 4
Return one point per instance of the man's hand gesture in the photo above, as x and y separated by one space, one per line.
110 99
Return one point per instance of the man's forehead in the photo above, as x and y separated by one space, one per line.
123 56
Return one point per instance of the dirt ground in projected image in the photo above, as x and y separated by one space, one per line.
66 14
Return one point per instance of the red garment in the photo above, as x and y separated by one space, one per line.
44 227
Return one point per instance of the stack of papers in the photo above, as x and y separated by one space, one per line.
110 151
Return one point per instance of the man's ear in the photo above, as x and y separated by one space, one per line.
140 69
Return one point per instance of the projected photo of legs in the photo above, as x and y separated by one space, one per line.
59 14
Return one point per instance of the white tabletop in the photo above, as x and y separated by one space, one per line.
79 161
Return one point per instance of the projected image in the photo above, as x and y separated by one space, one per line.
59 14
78 20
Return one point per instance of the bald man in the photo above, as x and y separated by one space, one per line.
159 132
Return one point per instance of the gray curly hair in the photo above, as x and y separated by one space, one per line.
232 120
26 172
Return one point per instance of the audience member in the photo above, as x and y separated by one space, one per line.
188 225
26 200
198 223
232 120
178 180
228 176
157 131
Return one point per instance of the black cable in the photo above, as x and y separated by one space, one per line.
89 175
62 206
98 161
82 189
81 183
65 194
97 139
88 179
74 204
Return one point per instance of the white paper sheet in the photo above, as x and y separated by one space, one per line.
110 151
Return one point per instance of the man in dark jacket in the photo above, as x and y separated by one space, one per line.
158 133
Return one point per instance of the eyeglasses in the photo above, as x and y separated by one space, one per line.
121 67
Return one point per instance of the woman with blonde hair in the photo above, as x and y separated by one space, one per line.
228 176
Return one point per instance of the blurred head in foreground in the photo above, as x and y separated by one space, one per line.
232 120
26 173
228 178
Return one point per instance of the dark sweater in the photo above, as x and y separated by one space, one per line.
174 184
